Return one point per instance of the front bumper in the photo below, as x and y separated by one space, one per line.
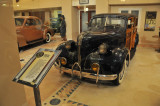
88 75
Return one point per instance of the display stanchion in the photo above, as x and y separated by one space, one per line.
159 32
37 96
36 69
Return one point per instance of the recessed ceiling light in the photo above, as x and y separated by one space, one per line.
123 0
17 5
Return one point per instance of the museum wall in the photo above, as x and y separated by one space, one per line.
76 2
55 12
11 93
118 2
147 35
102 6
35 4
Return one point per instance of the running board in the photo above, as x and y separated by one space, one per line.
34 41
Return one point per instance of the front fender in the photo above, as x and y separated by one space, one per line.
110 63
46 30
69 54
66 51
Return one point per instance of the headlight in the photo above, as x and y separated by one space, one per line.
103 48
63 61
68 45
95 67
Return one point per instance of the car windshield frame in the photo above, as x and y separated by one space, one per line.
19 21
107 23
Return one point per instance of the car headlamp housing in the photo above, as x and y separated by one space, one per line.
117 52
63 60
103 48
95 67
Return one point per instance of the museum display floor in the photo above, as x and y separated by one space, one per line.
140 87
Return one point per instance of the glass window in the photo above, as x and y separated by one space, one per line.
38 22
124 11
135 12
107 24
19 21
30 22
84 21
93 13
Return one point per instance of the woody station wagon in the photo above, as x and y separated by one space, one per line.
104 51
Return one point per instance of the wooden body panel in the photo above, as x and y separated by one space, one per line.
131 32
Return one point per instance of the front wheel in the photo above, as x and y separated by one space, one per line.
120 76
48 38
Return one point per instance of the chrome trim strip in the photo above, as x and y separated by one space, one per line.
97 77
89 75
79 68
59 65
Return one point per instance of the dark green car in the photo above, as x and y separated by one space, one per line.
55 24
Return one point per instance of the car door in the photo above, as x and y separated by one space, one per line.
30 30
38 30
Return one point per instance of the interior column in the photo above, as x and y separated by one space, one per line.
71 17
11 93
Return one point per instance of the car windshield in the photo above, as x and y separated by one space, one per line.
105 24
19 21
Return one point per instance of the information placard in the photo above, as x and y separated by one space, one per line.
37 67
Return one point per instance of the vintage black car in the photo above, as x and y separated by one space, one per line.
104 51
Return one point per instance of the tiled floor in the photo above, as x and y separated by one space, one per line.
141 86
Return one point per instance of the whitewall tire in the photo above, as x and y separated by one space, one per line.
48 38
120 76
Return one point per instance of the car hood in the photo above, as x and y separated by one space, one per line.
93 38
90 41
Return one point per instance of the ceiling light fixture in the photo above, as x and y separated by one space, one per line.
123 0
17 5
86 9
4 4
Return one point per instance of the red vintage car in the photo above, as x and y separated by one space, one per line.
30 30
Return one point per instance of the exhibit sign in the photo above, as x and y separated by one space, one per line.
37 67
150 21
83 1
